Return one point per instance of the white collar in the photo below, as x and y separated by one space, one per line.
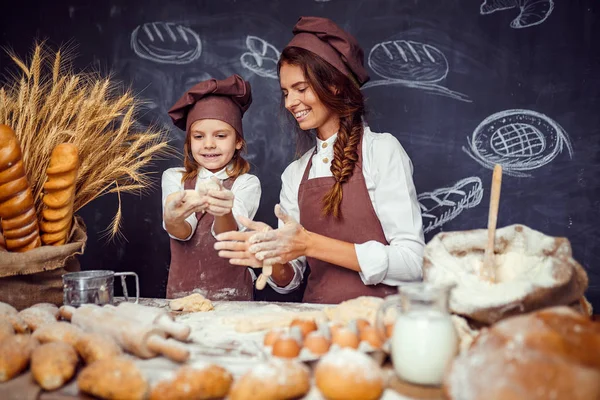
330 142
203 173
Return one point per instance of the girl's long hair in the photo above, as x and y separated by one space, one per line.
341 96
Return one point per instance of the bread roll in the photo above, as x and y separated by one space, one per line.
348 374
59 194
15 353
6 329
210 382
36 317
279 379
17 209
58 332
114 378
53 364
94 346
10 314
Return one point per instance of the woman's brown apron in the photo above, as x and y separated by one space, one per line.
196 266
329 283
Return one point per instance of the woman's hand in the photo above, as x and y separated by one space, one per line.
282 245
182 204
234 244
220 201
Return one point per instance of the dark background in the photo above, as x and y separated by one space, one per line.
550 68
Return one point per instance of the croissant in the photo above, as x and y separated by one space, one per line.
59 194
17 210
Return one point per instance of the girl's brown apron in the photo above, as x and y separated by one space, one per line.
196 266
329 283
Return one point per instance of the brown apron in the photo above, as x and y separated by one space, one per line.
329 283
196 266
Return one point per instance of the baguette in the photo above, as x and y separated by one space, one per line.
53 364
17 209
59 195
115 378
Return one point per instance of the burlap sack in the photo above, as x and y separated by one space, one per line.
36 275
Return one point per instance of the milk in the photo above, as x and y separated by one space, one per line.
423 345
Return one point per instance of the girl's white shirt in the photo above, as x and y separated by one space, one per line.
388 176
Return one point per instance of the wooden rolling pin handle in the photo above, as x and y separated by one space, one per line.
169 348
177 330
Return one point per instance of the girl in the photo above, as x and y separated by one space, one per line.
348 207
213 189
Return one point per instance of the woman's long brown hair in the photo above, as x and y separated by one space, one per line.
343 97
238 167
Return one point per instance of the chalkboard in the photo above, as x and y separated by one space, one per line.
461 84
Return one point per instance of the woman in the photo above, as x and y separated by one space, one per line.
359 228
213 189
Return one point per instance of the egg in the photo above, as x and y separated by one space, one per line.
286 347
370 335
272 336
333 328
344 337
316 343
362 324
306 325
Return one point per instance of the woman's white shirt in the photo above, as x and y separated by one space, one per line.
388 176
246 190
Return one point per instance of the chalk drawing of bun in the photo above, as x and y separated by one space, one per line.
445 204
261 57
409 61
532 12
166 43
519 140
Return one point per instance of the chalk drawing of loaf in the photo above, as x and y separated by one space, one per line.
411 64
445 204
166 43
261 57
532 12
519 140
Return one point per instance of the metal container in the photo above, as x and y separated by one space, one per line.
94 287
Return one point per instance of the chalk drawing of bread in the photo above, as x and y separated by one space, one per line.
532 12
261 57
519 140
445 204
408 61
166 43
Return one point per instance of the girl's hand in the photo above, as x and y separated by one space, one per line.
182 204
234 244
219 202
281 245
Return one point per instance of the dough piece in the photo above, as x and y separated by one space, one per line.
206 185
113 379
35 317
550 354
58 332
94 346
210 382
364 307
349 374
6 329
53 364
15 353
279 379
192 303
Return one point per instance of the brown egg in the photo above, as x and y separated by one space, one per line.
344 337
362 324
316 343
286 347
370 335
333 328
305 325
272 336
389 330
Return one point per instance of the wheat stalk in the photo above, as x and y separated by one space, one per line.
47 103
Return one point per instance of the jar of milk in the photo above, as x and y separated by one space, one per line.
424 340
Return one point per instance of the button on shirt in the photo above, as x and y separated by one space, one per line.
388 176
246 190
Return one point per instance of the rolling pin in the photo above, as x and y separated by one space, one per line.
154 316
144 341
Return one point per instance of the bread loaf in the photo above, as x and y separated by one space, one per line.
17 209
6 329
53 364
116 378
59 194
58 332
94 346
15 353
36 317
210 382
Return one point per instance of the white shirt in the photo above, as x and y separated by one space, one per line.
388 176
246 190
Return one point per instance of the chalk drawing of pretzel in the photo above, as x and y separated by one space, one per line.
532 12
445 204
261 58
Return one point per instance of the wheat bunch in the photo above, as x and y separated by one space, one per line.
47 103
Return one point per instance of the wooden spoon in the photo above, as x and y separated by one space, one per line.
488 270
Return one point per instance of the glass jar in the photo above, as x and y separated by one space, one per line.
424 340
